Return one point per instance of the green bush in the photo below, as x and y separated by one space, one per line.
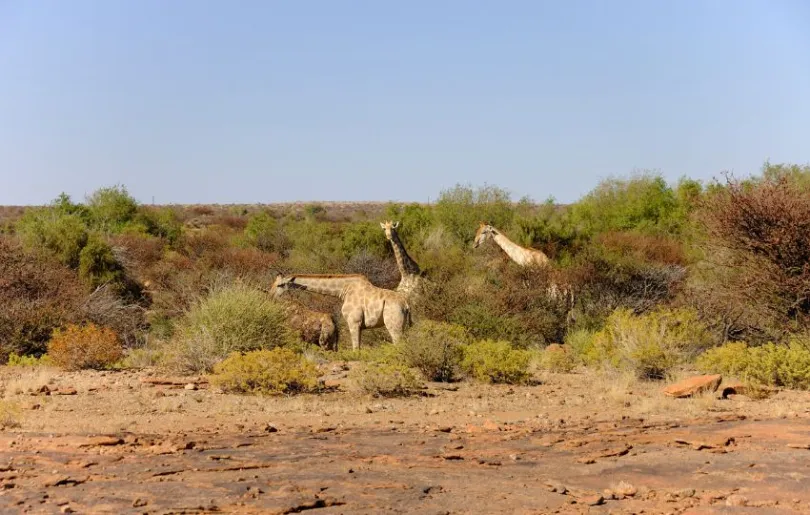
435 349
264 232
276 371
557 359
98 265
385 353
15 360
643 202
385 380
786 365
460 209
162 222
60 233
234 318
649 345
492 361
112 208
365 236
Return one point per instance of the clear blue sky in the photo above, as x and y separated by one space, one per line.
263 101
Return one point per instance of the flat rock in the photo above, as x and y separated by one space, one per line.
591 500
693 386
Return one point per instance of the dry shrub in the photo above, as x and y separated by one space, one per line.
766 365
385 380
229 220
243 262
276 371
491 361
234 318
605 280
381 272
10 414
650 345
199 243
82 347
435 349
37 294
201 210
557 359
138 253
757 250
645 247
104 307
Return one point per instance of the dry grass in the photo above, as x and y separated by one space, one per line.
119 401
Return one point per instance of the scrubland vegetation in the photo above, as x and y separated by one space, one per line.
713 276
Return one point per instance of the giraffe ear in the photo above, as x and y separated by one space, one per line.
382 225
396 224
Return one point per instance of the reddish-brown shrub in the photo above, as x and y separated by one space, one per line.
37 294
136 252
201 242
242 262
644 247
81 347
229 220
757 251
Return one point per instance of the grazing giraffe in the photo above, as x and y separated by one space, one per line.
524 257
409 271
365 306
315 327
520 255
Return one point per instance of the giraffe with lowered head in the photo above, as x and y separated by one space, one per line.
522 256
409 271
365 306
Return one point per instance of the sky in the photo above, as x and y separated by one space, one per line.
259 101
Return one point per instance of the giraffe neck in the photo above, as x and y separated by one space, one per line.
334 286
520 255
407 266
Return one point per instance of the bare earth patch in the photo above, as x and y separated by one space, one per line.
576 443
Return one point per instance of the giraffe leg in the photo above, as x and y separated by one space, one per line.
395 319
354 331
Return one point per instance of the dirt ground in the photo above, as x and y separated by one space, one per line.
116 442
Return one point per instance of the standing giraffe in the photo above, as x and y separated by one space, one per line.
523 257
409 271
365 306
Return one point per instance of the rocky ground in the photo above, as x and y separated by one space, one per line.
575 443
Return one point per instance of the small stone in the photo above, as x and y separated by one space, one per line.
66 509
369 410
65 390
270 428
190 386
624 489
556 486
736 500
137 503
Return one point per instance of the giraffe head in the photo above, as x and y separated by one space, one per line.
389 227
484 232
282 284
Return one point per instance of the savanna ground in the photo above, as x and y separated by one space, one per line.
571 443
149 371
